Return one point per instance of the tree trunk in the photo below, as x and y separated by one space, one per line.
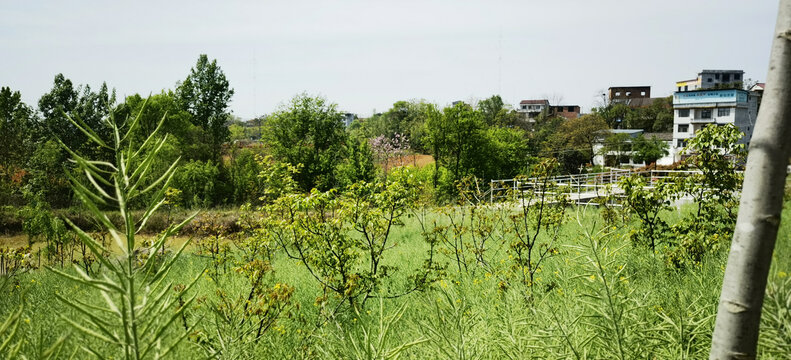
739 313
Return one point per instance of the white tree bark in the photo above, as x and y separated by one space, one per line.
739 313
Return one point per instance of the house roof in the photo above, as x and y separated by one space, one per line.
641 102
664 136
629 87
720 71
527 102
626 131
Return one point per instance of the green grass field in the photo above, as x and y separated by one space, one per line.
599 297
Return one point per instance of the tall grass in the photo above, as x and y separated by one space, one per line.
598 292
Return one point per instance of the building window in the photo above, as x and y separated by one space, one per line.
683 112
571 109
682 128
686 87
723 112
717 76
681 143
679 88
737 77
618 93
628 93
642 93
705 114
709 79
726 77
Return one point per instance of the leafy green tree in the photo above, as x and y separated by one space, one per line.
455 135
237 132
406 118
657 117
495 113
16 122
648 150
492 109
243 172
575 138
613 114
49 162
310 132
46 175
505 154
198 182
617 143
205 94
358 163
86 107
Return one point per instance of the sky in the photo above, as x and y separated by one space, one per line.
366 55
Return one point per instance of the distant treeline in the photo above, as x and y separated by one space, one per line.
487 140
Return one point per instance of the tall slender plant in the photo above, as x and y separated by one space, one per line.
139 306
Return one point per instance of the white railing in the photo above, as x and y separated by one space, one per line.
583 186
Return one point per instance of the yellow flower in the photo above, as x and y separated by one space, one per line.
782 274
593 277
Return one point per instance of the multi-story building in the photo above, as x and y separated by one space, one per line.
693 110
566 111
708 79
627 94
533 108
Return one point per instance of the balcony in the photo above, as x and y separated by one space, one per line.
700 120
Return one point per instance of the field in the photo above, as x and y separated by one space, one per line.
595 295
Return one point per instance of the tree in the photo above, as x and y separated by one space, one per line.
620 144
739 311
86 107
648 150
491 108
456 136
188 141
205 94
579 135
406 118
16 121
310 132
504 153
613 114
358 163
657 117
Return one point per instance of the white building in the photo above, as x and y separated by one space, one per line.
531 109
693 110
623 158
348 119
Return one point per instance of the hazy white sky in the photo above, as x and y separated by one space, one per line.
366 55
